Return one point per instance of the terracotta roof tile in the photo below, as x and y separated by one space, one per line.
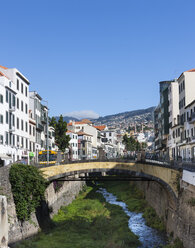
3 67
82 133
100 128
3 75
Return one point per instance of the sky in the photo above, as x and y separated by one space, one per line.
98 57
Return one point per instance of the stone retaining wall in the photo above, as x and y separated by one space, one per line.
53 201
179 217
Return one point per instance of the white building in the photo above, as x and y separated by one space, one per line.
174 128
109 141
186 84
32 137
86 127
84 145
73 144
14 106
35 107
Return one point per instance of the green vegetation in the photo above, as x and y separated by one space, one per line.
60 126
191 202
135 201
28 187
131 144
89 222
176 244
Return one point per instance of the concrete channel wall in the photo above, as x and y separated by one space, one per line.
3 222
179 216
12 230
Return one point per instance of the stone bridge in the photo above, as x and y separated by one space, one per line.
166 176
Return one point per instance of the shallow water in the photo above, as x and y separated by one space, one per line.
149 237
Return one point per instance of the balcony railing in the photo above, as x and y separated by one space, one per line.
39 127
12 129
192 118
12 108
43 119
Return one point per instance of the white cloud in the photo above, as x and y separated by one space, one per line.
90 114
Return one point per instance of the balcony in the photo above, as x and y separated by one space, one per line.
12 108
39 127
43 119
192 119
12 129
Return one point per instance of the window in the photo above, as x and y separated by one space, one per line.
6 138
13 120
33 131
26 108
17 84
18 103
6 95
22 141
18 123
27 143
183 84
22 89
22 125
1 98
110 134
26 126
22 106
18 140
7 116
30 129
25 91
13 100
13 140
1 139
1 119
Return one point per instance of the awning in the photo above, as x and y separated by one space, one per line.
5 156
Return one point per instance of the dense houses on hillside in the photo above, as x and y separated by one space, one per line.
174 118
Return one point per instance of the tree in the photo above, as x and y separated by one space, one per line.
52 122
131 144
62 140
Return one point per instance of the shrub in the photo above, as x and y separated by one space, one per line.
28 188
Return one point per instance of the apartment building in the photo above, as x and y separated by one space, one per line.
186 84
161 121
32 137
174 129
73 144
35 107
14 115
84 145
85 126
181 112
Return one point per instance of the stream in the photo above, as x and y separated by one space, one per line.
149 237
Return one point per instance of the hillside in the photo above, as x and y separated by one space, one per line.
123 120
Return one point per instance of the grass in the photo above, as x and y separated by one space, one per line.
176 244
89 222
135 201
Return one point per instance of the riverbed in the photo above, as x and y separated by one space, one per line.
149 237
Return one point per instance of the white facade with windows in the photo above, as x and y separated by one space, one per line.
14 91
73 143
186 84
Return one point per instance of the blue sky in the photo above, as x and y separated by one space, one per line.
106 56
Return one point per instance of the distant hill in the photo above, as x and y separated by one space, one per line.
124 118
67 118
128 114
